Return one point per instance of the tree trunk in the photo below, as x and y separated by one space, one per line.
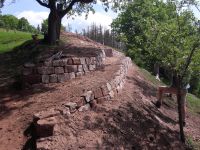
54 25
157 70
180 115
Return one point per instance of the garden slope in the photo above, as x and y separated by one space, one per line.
128 121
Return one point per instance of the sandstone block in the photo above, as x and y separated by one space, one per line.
62 62
111 94
67 76
72 106
85 68
27 71
45 78
113 84
71 68
89 96
53 78
80 68
108 52
46 70
98 93
86 107
76 61
93 60
102 54
56 63
61 77
48 63
65 111
79 74
80 101
69 61
59 70
72 75
82 60
117 79
105 90
45 127
109 86
87 60
92 67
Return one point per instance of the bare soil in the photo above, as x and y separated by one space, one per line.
129 121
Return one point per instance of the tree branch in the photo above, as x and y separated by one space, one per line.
64 12
42 3
189 60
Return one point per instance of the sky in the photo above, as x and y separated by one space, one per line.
36 13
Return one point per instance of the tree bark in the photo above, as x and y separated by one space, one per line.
54 25
180 115
156 69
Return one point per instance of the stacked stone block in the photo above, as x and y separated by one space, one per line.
69 68
46 121
60 70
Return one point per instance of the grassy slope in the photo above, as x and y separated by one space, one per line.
12 39
193 103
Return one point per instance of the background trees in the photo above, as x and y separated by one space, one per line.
154 32
59 8
10 22
102 35
166 33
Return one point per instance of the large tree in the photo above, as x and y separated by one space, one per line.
162 32
59 8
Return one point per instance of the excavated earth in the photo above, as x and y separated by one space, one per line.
130 120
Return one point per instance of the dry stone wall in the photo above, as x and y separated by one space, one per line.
61 70
46 121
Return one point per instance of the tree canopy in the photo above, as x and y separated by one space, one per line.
11 22
164 32
59 8
154 32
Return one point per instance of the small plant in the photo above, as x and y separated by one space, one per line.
35 37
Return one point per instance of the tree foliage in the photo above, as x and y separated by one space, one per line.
164 32
59 8
10 22
154 32
102 35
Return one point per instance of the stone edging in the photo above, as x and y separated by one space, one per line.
46 120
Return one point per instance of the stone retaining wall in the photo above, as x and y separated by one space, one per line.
61 70
45 121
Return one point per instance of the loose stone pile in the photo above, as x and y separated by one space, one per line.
46 121
61 70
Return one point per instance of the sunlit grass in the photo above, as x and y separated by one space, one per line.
11 39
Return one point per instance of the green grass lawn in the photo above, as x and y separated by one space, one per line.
192 101
11 39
